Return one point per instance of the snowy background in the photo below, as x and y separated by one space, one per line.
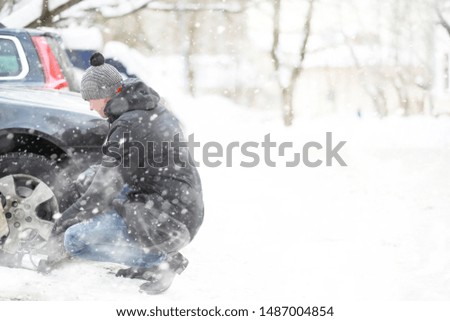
377 229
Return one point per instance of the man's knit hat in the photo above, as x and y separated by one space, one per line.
100 80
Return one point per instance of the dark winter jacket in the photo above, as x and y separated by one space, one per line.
164 205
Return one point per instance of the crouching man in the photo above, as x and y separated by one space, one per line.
141 207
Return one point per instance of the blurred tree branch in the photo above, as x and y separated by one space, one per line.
444 23
288 87
46 17
116 10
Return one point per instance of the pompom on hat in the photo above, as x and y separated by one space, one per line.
100 80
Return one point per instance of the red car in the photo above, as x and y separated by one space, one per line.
35 58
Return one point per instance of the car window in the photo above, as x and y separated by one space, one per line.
13 61
10 64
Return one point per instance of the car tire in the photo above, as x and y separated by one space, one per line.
46 170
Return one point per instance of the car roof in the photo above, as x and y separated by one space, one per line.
31 32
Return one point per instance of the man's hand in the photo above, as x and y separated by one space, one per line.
64 221
85 179
62 225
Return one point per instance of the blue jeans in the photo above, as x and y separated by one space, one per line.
105 238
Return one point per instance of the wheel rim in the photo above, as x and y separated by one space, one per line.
26 202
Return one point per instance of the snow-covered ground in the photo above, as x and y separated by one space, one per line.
377 229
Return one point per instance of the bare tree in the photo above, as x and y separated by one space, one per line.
192 43
412 79
288 87
404 34
370 86
439 8
46 17
6 6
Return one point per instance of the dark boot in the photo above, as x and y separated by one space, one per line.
132 273
159 277
162 279
158 282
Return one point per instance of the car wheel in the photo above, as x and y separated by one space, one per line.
49 172
28 206
32 190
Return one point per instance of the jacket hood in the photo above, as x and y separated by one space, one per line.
135 95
